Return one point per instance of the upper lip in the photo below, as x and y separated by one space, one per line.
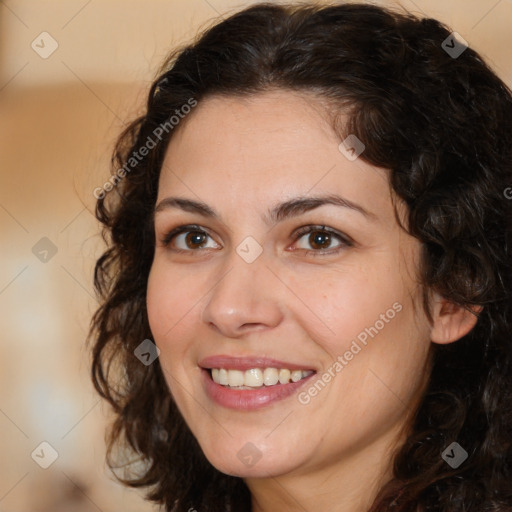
248 362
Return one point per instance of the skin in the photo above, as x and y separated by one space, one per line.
242 156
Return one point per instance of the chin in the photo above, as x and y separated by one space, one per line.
250 462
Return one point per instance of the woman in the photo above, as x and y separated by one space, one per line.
306 299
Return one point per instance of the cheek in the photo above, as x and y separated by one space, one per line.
170 305
372 326
349 299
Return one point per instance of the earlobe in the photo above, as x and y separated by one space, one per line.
450 322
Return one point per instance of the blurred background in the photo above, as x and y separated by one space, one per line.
72 73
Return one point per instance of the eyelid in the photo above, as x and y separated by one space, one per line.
184 228
345 240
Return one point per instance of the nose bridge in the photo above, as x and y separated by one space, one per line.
244 294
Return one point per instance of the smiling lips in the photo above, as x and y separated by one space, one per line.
248 383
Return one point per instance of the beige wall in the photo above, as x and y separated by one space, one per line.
58 118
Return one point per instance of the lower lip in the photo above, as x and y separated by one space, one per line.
248 399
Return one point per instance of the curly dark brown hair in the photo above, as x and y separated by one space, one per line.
442 125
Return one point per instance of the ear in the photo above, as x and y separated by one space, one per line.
450 322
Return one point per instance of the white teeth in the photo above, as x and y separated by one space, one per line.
256 377
284 376
235 378
270 376
253 378
223 377
296 375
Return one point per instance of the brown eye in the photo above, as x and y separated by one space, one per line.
318 240
188 239
194 239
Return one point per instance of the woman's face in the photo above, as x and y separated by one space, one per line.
295 264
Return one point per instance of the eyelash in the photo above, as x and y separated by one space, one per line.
345 240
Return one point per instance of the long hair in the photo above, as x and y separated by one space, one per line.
442 124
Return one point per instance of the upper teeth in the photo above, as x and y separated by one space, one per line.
256 377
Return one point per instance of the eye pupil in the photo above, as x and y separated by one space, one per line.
195 239
319 238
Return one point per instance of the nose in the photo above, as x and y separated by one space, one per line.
248 297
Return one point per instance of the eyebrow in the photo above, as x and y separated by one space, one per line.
291 208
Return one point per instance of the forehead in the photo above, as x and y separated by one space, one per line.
238 127
268 147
